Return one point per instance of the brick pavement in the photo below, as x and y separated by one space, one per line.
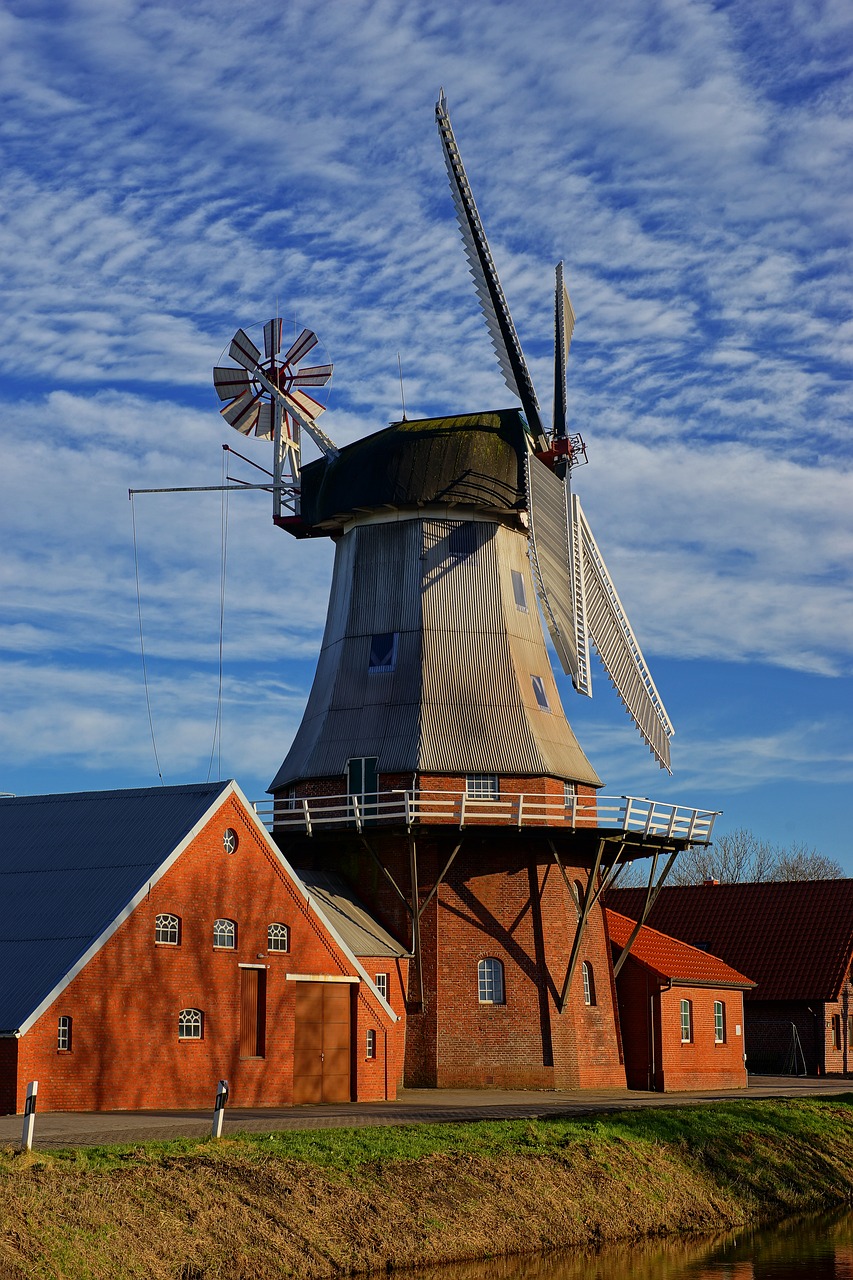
414 1106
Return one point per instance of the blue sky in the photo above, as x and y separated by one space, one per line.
173 172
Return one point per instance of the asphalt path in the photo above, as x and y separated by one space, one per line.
56 1129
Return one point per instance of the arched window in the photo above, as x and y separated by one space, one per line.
190 1022
167 929
579 892
720 1023
490 979
588 983
224 933
278 937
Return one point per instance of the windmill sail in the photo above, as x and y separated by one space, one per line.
617 645
564 327
557 570
491 295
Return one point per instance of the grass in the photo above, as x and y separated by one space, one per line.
330 1202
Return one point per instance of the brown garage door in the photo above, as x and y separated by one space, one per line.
321 1045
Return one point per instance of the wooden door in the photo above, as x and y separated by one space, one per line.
321 1043
253 1012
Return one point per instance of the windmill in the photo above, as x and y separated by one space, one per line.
578 598
434 770
265 397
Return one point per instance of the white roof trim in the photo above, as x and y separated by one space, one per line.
123 915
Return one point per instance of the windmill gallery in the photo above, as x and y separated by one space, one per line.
421 902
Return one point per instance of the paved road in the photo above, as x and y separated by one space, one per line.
414 1106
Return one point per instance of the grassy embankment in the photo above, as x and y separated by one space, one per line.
332 1202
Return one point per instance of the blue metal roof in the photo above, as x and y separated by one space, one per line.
69 865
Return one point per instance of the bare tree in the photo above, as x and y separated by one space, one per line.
740 857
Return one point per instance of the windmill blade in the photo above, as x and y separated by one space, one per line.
230 382
242 413
308 424
316 375
617 645
265 426
309 406
564 327
491 295
553 556
303 344
272 338
244 351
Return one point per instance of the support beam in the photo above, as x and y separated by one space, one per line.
652 891
416 919
387 874
588 899
434 890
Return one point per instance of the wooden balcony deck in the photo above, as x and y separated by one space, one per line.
638 815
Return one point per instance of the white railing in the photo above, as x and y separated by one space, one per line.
621 813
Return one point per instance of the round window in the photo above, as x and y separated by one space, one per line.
229 840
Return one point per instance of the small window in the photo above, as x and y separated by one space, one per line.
719 1022
579 892
540 694
383 652
370 1048
381 981
850 1032
519 591
490 976
836 1031
290 798
570 794
167 930
224 933
686 1022
63 1035
462 540
588 983
278 937
482 786
190 1023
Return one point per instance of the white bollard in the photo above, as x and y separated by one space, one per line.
29 1116
219 1108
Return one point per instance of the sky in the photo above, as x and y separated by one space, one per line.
174 172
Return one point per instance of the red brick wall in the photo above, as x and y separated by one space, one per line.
503 897
702 1064
125 1003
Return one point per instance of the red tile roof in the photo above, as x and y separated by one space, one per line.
671 959
795 939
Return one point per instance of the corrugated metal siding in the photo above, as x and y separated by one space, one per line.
349 917
68 865
460 698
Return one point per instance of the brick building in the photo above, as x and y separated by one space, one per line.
680 1012
796 941
155 941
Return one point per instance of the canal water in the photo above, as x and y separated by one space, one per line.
811 1249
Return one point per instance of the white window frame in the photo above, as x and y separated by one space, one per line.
519 591
686 1021
540 693
275 939
719 1022
224 928
491 988
165 923
588 984
190 1024
63 1034
381 980
370 1043
570 794
482 786
385 666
